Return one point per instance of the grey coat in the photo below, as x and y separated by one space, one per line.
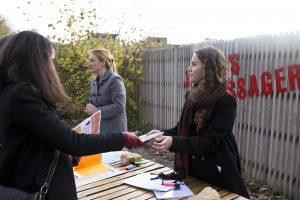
109 95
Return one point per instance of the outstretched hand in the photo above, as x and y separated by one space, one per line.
131 140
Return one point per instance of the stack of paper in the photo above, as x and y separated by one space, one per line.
144 181
184 191
96 176
91 168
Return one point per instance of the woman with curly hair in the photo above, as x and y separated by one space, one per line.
203 141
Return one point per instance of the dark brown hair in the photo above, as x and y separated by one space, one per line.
4 40
216 74
216 71
27 59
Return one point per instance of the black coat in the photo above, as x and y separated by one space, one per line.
30 131
213 153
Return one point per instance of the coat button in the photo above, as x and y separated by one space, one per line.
193 157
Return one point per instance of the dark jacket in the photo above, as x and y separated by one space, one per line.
109 96
213 153
30 131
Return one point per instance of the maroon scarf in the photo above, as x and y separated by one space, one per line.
206 101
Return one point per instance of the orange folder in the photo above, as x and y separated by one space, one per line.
90 164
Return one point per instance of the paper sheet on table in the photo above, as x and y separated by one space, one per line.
97 176
143 181
184 191
91 168
112 157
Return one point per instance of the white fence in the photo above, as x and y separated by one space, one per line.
267 128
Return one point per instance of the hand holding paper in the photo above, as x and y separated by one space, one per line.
131 140
150 135
162 144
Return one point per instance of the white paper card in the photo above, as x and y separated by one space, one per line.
144 181
112 157
145 137
184 191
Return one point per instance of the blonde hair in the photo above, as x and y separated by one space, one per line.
105 55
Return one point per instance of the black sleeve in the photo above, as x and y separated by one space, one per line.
32 114
207 141
171 131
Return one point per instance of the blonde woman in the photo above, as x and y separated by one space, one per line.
107 93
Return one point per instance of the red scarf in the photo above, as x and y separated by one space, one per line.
205 101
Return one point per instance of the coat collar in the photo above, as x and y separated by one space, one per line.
106 75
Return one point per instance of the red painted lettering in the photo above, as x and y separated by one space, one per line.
234 58
266 83
294 75
253 86
186 81
241 82
230 87
279 79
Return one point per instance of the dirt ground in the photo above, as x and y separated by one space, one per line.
255 189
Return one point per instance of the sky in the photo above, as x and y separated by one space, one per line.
181 21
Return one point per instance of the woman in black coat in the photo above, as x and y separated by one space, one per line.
203 140
30 130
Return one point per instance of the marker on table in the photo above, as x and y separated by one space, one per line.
131 167
137 163
176 185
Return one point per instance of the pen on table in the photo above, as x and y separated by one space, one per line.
131 167
176 185
137 163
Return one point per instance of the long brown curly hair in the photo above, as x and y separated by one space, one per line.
216 75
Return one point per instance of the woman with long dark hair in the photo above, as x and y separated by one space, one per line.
30 130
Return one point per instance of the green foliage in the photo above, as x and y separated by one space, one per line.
4 27
72 62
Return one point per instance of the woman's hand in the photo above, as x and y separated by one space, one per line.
131 140
161 144
150 142
152 132
90 109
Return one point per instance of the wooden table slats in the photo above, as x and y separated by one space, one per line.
114 188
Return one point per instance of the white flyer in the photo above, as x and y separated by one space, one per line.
146 137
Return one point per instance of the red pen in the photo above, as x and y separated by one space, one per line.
176 185
168 184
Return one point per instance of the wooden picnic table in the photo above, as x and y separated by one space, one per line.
114 188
